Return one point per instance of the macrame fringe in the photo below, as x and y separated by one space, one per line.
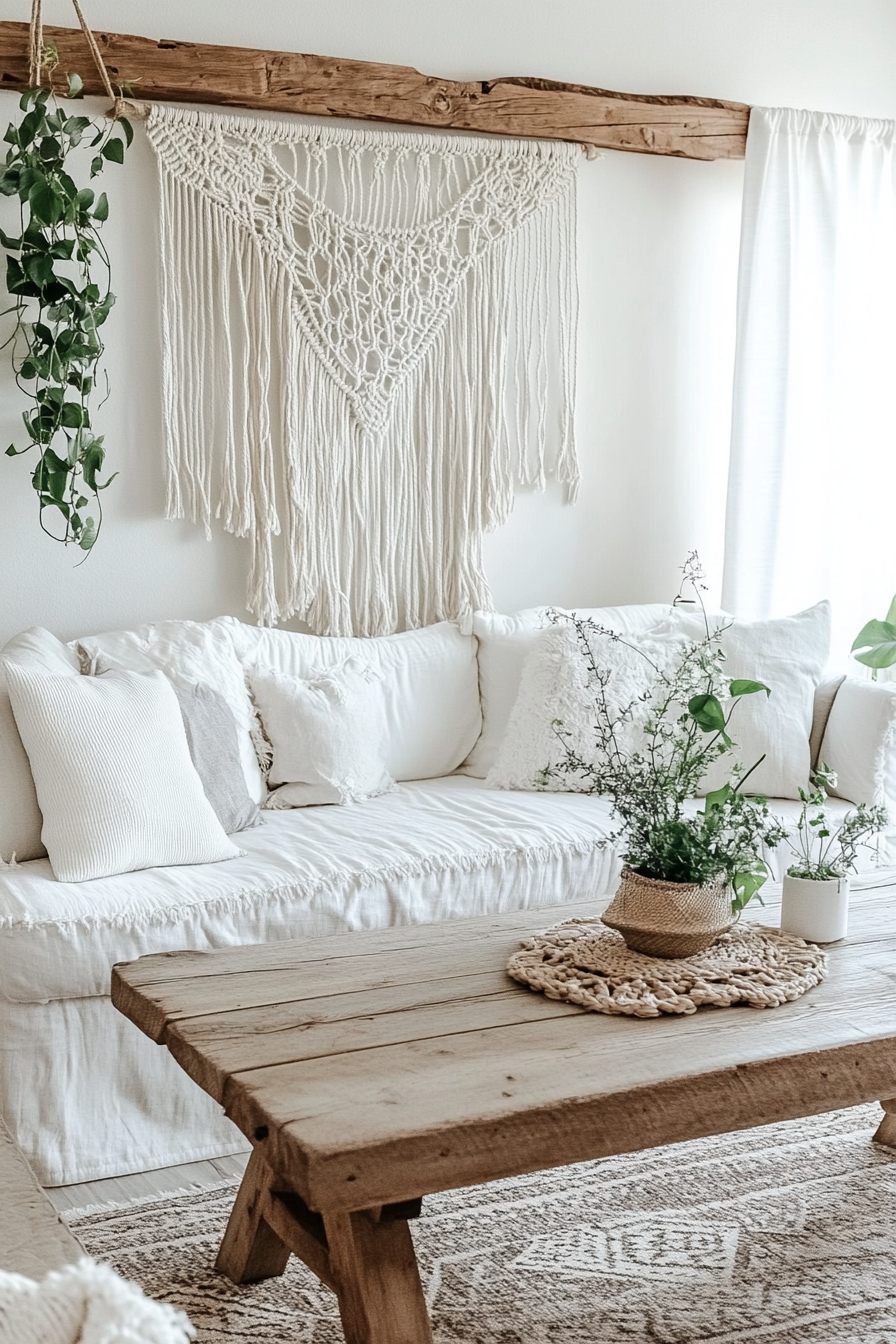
369 339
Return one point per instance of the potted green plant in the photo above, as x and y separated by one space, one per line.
815 896
687 871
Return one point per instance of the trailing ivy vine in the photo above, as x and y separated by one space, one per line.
58 273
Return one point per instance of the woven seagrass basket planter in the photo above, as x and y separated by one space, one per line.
668 919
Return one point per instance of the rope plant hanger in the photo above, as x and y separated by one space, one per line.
369 338
58 274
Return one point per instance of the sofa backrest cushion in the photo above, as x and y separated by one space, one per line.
858 742
504 644
429 684
788 654
20 816
201 653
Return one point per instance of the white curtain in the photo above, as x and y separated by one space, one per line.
812 481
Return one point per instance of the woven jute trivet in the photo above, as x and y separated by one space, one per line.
583 962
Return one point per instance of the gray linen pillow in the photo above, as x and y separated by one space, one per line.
212 739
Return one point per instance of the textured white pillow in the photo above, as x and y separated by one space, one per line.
195 651
429 685
858 742
789 654
20 819
327 735
504 644
113 774
554 685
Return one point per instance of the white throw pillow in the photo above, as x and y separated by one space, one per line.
327 735
196 651
20 819
789 655
113 774
504 644
554 685
858 742
429 686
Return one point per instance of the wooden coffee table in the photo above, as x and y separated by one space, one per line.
371 1069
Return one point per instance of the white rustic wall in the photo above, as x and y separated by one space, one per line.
657 264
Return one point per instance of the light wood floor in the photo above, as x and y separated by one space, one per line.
144 1184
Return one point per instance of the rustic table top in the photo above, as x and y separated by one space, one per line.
377 1067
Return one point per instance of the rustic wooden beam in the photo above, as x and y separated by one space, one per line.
326 86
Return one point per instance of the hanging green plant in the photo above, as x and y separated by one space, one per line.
58 273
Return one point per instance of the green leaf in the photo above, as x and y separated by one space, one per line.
11 244
102 208
88 535
72 416
707 713
50 148
39 268
878 639
747 884
96 166
748 687
716 800
17 282
113 150
30 126
46 203
85 198
128 130
91 462
9 181
75 85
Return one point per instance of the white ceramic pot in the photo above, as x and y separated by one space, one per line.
816 911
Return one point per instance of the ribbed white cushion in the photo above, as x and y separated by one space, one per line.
429 685
504 644
327 735
113 774
20 819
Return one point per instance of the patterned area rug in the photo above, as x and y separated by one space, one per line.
783 1234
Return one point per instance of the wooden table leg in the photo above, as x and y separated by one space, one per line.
377 1281
367 1258
886 1130
251 1249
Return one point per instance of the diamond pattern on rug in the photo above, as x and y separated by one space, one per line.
782 1234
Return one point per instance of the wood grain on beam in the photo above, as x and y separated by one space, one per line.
276 81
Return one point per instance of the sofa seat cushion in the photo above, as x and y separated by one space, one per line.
432 850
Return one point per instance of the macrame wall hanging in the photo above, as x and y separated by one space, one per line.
369 339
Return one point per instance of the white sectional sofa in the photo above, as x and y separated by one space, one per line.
86 1094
